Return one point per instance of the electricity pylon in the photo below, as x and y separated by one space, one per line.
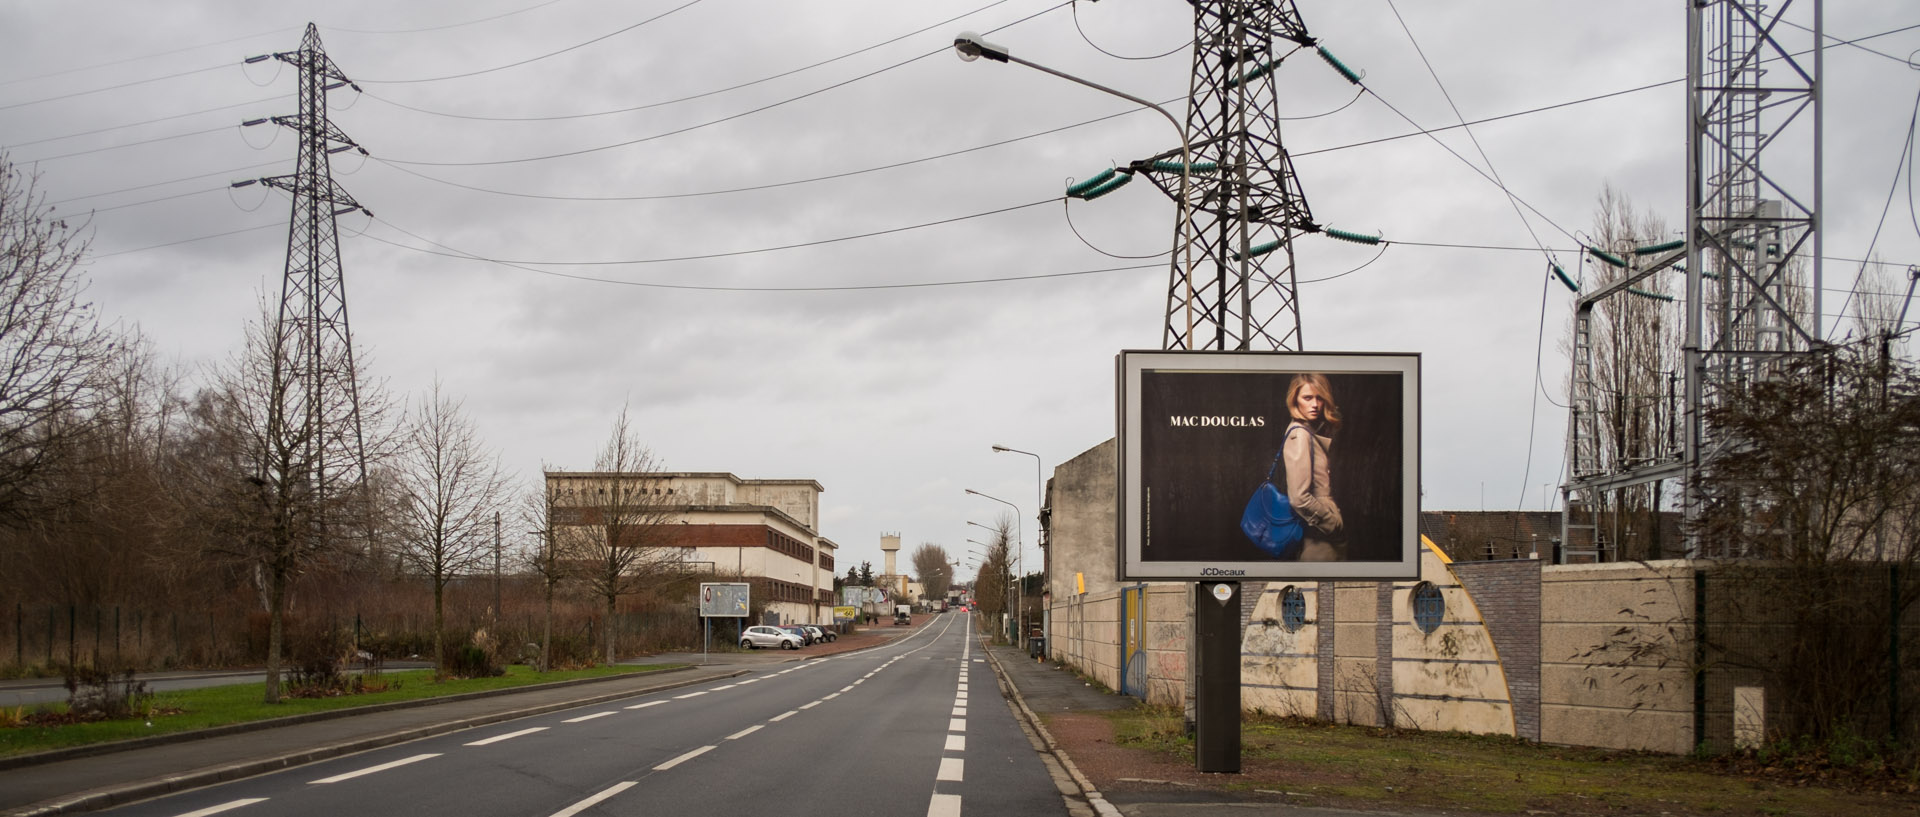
315 402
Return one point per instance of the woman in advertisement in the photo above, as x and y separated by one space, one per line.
1309 462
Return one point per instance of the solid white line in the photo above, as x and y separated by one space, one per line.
380 768
951 768
689 695
589 717
810 705
210 810
957 725
747 731
684 758
507 736
785 715
590 802
956 743
944 805
647 704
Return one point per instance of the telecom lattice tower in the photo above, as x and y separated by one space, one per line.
316 399
1751 252
1232 280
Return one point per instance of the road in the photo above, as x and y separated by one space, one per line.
914 727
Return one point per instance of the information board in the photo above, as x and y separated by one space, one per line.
723 599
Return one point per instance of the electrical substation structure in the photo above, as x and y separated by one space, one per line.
315 398
1750 260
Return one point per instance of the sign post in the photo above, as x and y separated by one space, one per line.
720 600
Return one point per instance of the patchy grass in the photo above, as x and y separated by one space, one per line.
189 709
1305 763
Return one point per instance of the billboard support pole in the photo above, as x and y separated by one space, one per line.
1216 624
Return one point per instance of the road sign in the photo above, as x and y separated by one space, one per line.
723 599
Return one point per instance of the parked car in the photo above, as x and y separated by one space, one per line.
806 638
821 634
761 635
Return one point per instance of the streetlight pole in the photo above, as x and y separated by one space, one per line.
985 553
1020 586
1039 502
970 47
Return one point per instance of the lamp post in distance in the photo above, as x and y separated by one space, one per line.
1039 502
1020 561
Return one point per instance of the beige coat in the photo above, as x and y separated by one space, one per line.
1309 488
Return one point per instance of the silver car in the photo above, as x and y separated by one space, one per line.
759 636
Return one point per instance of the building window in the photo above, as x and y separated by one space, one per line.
1293 609
1429 607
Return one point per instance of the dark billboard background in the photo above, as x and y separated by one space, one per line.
1200 478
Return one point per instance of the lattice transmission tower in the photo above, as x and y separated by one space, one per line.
1232 280
315 400
1751 255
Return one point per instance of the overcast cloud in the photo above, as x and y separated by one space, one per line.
890 398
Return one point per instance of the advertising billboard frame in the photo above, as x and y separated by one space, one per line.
725 599
1222 453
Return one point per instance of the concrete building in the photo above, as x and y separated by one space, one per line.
765 531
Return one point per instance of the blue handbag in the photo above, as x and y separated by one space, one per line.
1269 521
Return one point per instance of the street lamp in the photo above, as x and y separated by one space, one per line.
1039 501
970 47
1020 560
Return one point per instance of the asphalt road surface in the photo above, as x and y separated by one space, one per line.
914 727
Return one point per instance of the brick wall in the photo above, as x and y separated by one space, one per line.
1508 595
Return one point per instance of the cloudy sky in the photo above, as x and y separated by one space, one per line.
802 240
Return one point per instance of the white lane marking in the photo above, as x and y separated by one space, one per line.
979 660
961 696
689 695
590 802
963 686
951 768
747 731
944 805
956 743
959 711
859 682
810 705
380 768
211 810
729 686
589 717
957 725
831 697
784 715
507 736
847 688
684 758
647 704
748 681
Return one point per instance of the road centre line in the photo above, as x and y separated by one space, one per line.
747 731
784 715
507 736
228 806
959 711
951 769
956 743
590 802
689 695
684 758
830 697
588 717
748 681
960 696
944 805
647 704
371 769
957 725
847 688
810 705
717 689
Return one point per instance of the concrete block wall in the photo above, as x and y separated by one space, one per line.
1085 635
1634 615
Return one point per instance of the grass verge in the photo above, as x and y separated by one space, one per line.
189 709
1306 763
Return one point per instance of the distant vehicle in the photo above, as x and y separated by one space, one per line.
759 636
823 633
806 638
903 614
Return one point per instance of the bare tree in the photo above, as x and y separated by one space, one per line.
541 510
450 488
993 585
622 509
932 567
50 342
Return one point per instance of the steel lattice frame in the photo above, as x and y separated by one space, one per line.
1231 285
316 400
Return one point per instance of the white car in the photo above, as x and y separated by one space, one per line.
763 636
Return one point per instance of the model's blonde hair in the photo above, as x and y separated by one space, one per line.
1329 412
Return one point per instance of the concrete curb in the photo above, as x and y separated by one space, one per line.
144 789
91 750
1087 789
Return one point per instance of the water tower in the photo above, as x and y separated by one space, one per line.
890 545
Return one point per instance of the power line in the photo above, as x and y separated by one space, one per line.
574 47
446 26
128 84
156 120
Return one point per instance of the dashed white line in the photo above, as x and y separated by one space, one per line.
784 715
729 686
684 758
748 681
810 705
847 688
830 697
590 802
589 717
951 768
747 731
228 806
380 768
689 695
957 725
944 805
956 743
959 711
507 736
962 696
647 704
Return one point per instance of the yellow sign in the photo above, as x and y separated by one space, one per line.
846 612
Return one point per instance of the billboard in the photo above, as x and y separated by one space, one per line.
723 599
1268 466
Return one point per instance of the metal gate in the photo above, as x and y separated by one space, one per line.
1133 629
